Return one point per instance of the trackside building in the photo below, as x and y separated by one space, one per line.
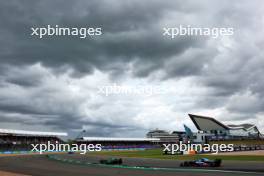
210 128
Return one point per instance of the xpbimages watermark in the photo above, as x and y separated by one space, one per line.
58 147
189 30
49 31
132 90
185 147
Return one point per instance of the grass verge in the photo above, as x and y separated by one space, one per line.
157 154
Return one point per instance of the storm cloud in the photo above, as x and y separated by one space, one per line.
53 82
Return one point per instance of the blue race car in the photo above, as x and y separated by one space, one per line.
203 162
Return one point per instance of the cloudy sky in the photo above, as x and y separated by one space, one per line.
51 84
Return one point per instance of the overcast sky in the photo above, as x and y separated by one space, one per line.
52 84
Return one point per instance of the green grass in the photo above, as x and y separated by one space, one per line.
157 154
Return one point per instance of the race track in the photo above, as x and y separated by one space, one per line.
40 165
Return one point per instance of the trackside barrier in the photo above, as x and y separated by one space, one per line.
30 152
21 152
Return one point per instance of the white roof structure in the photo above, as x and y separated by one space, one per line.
118 139
31 133
242 126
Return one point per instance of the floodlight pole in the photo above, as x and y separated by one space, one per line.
79 135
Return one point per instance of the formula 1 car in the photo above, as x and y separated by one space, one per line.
112 161
203 162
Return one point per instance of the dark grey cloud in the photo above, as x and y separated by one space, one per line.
52 81
131 35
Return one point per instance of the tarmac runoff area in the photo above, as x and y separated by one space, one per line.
41 165
10 174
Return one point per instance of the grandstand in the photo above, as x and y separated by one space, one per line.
20 140
211 129
245 137
163 136
110 143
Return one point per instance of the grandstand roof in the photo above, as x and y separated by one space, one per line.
245 126
158 131
117 139
207 123
31 133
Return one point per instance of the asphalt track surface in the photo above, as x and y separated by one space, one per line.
40 165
